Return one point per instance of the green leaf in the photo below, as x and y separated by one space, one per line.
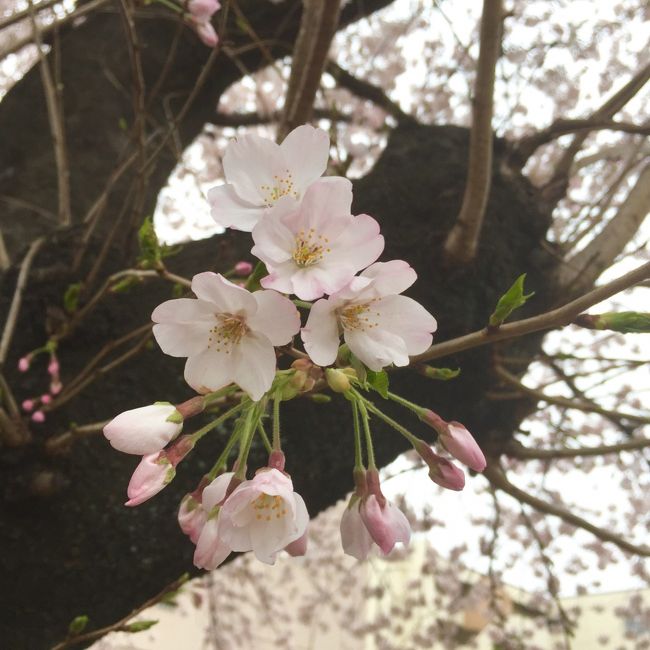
378 381
150 254
253 282
509 301
78 625
626 322
139 626
443 374
71 297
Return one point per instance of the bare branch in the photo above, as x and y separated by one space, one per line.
320 19
495 475
581 271
55 116
462 241
556 318
366 90
527 146
254 118
14 309
516 450
555 189
578 405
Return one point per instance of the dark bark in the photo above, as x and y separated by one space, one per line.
73 548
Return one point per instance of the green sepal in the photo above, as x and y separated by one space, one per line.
378 381
78 625
253 282
509 301
176 417
359 368
320 398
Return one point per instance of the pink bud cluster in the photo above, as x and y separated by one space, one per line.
200 13
34 405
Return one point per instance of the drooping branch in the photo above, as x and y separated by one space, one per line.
556 318
462 242
582 270
320 19
495 475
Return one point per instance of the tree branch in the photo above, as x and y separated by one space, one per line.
556 318
516 450
462 242
584 268
495 475
318 25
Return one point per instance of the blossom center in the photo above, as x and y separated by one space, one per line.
228 332
309 248
282 186
357 316
269 507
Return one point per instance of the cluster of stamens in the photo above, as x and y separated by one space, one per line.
310 248
266 506
228 331
357 317
283 187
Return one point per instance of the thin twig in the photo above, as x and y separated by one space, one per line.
55 117
14 309
516 450
56 444
318 24
495 475
555 318
462 242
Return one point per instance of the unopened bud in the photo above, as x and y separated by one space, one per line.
320 398
46 398
53 368
627 322
243 268
337 380
23 364
38 416
28 405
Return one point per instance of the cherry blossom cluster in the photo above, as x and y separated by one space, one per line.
309 246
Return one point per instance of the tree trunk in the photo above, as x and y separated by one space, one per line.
69 547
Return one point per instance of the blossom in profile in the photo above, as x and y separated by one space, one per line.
355 538
227 334
259 172
379 326
154 472
144 430
315 247
385 522
441 471
263 515
200 13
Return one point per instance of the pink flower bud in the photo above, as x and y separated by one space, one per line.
38 416
28 405
152 474
458 441
207 35
202 10
276 460
56 387
243 268
53 368
46 398
385 523
23 364
441 471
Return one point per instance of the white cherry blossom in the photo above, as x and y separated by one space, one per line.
259 172
379 326
315 247
227 334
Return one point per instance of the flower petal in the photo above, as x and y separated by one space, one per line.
377 348
325 203
215 493
390 277
210 549
181 339
276 316
306 151
407 319
250 164
255 365
274 242
360 244
321 333
210 370
355 538
227 297
229 211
